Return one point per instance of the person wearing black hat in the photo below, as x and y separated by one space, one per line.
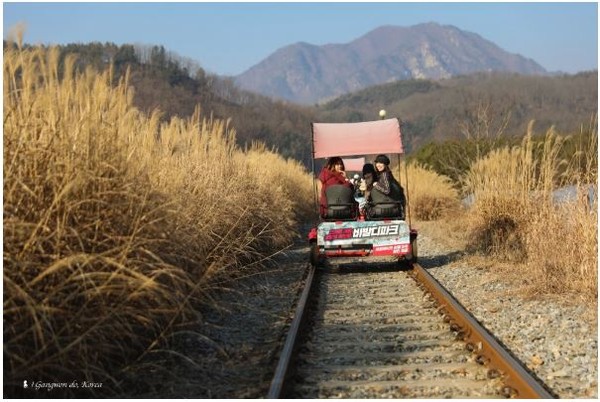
366 185
386 184
384 174
382 159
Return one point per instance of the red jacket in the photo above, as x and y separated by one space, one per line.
329 178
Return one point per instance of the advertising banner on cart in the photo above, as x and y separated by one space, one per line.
385 236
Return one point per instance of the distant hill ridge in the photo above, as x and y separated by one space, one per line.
430 110
306 73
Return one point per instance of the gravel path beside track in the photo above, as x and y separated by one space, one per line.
244 327
555 338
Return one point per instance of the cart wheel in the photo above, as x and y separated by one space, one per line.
315 260
413 250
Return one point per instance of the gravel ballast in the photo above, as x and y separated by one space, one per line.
556 338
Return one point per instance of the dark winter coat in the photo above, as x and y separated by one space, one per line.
389 188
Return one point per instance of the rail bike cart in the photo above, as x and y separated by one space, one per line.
342 230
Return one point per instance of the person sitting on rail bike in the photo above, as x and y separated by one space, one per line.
387 196
336 191
369 175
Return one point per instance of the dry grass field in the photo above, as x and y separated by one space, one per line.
516 218
430 196
115 224
516 221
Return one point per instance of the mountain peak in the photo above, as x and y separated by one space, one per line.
307 73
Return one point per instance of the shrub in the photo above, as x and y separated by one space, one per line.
516 218
430 195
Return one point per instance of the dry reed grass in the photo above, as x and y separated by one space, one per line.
114 223
430 195
515 218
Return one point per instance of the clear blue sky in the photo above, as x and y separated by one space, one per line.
228 38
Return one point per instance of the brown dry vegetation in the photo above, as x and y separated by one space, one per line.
516 222
515 217
430 195
116 223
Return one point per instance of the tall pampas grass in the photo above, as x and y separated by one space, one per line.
516 218
115 222
562 240
431 196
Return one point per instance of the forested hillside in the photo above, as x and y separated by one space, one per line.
476 105
455 108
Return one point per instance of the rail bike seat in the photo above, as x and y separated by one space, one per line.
340 203
384 207
385 211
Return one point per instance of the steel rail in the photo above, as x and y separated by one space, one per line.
281 372
519 382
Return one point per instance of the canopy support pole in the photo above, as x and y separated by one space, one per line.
408 214
312 145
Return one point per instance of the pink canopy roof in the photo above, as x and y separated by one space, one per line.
354 164
363 138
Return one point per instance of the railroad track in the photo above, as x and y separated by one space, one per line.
388 333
